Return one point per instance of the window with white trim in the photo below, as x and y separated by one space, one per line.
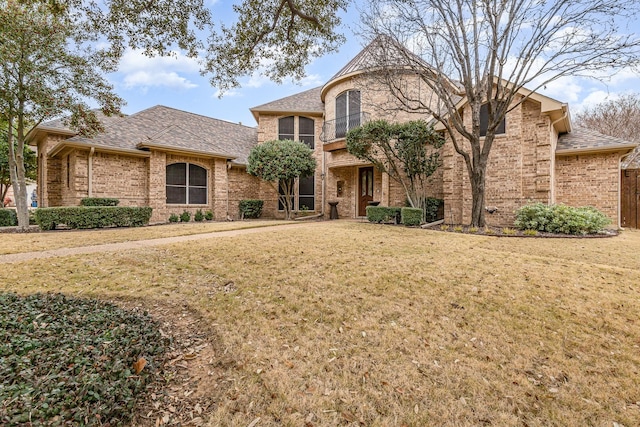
186 184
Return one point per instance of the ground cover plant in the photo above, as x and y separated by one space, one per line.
73 361
377 325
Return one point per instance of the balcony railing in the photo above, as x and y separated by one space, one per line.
338 128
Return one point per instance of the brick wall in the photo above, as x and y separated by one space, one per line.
378 102
589 180
518 169
268 130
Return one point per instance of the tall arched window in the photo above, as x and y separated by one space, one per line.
186 184
347 112
299 129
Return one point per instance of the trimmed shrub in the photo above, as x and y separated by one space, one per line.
411 216
208 215
251 208
434 209
92 216
185 216
561 219
174 218
199 216
99 201
8 218
380 214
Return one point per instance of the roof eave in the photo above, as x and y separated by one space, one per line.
596 150
256 112
188 151
100 148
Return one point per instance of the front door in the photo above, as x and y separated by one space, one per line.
365 189
630 214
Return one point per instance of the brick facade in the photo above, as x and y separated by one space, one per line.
525 163
590 180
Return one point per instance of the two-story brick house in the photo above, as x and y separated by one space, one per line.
172 160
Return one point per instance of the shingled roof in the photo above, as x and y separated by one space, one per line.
303 102
163 127
586 140
61 125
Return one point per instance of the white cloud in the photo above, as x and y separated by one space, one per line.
168 71
146 79
564 89
228 94
593 98
310 80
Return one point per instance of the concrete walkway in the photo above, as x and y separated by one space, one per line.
137 244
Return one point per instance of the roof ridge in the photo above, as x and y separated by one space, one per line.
285 97
198 115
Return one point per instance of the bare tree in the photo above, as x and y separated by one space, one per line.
618 117
486 52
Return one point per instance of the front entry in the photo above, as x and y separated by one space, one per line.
630 215
365 189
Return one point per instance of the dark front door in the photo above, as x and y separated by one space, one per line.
365 189
630 215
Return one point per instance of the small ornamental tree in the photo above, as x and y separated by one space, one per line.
281 162
408 152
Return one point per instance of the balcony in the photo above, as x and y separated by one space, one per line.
335 130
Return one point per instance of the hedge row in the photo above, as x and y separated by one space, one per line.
560 219
380 214
411 216
8 218
99 201
92 216
251 208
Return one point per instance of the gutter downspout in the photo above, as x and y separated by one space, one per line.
90 171
552 194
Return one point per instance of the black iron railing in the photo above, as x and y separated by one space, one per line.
338 128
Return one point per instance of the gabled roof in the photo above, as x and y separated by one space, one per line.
307 102
582 140
169 129
59 126
381 52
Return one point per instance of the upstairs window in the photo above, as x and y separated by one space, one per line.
186 184
484 121
286 128
347 112
297 129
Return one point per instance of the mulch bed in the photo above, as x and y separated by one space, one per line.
512 232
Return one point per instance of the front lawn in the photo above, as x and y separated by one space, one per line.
342 323
11 243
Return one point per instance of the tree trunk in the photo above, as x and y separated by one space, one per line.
477 199
17 174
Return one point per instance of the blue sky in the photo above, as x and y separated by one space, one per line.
175 81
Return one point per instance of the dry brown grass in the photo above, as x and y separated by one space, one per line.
344 323
11 243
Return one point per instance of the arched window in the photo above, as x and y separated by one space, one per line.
297 129
347 112
186 184
300 129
